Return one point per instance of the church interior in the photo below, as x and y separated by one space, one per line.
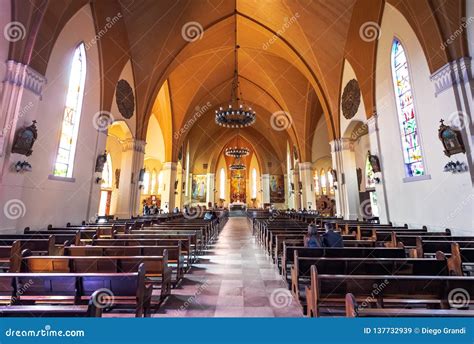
236 158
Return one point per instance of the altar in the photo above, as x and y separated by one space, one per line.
237 206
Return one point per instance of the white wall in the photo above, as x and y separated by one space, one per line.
444 200
51 201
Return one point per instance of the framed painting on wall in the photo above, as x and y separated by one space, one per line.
199 188
277 189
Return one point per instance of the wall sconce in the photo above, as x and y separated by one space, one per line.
455 167
23 166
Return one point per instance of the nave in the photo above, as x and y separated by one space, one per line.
234 278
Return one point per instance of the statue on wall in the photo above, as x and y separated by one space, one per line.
117 177
24 140
451 139
100 162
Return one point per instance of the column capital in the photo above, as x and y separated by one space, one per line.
341 144
170 165
305 166
373 123
452 73
22 75
132 144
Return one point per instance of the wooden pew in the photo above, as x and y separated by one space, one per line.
430 247
301 276
156 268
62 311
383 290
39 246
353 310
127 290
289 253
460 257
10 257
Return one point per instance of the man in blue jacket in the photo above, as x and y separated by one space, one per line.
331 238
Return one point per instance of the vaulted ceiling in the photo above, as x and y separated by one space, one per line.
291 58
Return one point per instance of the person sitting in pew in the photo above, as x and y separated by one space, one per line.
312 238
331 238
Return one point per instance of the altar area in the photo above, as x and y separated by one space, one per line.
237 205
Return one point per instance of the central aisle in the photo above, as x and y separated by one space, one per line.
233 279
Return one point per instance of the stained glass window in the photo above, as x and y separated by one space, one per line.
331 182
369 175
146 182
254 183
316 183
153 182
412 152
323 182
72 114
222 184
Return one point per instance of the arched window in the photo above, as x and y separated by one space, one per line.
107 174
330 182
254 183
317 188
222 184
411 145
369 175
323 182
160 182
72 114
153 182
146 182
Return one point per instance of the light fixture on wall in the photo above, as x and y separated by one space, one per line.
23 166
455 167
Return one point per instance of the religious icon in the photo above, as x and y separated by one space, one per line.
24 140
451 139
100 162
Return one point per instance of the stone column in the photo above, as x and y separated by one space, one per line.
16 105
266 188
375 149
306 178
347 193
296 193
169 178
128 201
455 80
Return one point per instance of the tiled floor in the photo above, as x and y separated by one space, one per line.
233 279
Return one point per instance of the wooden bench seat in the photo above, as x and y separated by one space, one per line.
329 291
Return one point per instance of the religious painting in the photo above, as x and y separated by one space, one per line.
237 186
277 189
199 188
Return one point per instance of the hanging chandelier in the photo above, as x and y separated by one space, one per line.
237 152
237 114
237 165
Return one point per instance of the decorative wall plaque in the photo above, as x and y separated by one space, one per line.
451 139
374 162
24 140
125 98
350 100
117 177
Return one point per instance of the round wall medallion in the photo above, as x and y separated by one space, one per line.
350 100
125 99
